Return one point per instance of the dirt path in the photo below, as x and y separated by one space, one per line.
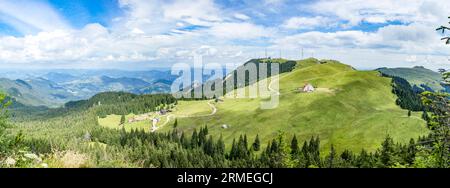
168 119
171 116
214 111
277 92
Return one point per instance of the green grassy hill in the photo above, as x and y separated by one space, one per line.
350 109
418 76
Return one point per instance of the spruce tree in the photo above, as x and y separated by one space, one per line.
194 139
387 152
331 159
294 146
175 124
364 160
256 145
411 152
122 119
274 147
245 142
268 148
220 146
208 147
233 152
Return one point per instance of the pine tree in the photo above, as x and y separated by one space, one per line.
331 159
194 139
245 142
347 156
425 116
220 146
387 152
175 124
314 151
364 160
208 147
294 146
184 141
274 147
305 151
411 152
233 152
205 130
256 145
268 148
202 136
122 120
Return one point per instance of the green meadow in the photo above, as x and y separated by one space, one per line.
349 109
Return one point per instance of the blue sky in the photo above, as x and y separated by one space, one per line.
156 33
82 12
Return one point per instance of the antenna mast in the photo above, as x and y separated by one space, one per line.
303 54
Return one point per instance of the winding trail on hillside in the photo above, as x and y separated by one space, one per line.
277 92
171 116
214 111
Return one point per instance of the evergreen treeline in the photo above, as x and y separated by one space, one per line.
123 103
283 67
408 97
175 149
287 66
104 103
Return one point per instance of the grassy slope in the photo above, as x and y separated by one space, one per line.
184 108
113 121
358 113
36 93
417 76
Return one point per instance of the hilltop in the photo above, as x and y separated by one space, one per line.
349 109
418 76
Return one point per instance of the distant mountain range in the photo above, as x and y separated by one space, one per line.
419 77
53 89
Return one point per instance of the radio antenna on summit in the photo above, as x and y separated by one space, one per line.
303 56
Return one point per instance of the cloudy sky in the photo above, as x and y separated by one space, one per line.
135 34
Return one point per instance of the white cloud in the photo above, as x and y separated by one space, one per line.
239 31
157 15
30 16
315 39
241 16
308 22
414 38
196 12
155 31
273 2
382 11
411 58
